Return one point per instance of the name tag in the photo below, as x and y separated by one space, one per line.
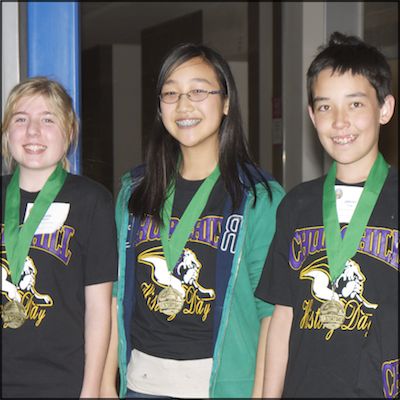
346 201
54 218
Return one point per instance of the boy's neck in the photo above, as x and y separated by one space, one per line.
351 178
355 172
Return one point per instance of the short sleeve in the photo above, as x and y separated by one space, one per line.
274 285
101 252
262 223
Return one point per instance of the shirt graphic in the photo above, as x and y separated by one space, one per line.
36 303
25 292
348 289
184 279
350 286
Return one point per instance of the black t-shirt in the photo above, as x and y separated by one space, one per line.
188 334
349 361
77 247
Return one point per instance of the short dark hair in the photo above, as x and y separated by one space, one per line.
349 53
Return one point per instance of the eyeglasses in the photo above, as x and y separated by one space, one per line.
192 95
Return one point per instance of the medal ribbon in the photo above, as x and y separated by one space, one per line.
340 250
18 240
173 245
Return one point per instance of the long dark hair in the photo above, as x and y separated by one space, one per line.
163 150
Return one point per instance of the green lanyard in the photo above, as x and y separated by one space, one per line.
340 250
18 240
173 245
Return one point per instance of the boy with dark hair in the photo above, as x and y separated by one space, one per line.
332 267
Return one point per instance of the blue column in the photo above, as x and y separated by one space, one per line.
53 50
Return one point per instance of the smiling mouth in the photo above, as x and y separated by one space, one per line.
344 139
187 122
34 148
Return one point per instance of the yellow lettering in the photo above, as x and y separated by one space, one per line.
355 318
35 312
352 311
307 304
329 334
195 304
41 315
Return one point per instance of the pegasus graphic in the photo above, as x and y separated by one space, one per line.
349 285
26 283
185 274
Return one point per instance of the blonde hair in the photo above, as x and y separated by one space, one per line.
60 103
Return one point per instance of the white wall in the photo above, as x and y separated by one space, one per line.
314 34
127 109
265 79
240 70
10 68
10 60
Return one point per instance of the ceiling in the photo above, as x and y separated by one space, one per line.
110 22
122 22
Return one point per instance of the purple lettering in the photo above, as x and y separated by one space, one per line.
56 243
390 379
379 243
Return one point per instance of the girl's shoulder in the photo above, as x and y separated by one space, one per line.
87 187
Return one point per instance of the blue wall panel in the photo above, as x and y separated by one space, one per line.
53 50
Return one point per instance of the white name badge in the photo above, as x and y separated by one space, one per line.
54 218
346 201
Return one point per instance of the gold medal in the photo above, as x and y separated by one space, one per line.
332 314
170 301
13 314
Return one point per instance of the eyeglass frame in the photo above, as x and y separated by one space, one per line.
220 91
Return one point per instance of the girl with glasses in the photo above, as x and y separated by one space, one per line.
194 223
